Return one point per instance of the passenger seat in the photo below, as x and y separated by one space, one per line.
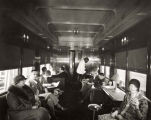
3 107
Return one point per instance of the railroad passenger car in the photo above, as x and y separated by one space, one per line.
114 34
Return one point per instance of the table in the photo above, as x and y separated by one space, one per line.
114 94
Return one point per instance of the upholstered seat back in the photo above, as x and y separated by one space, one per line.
3 107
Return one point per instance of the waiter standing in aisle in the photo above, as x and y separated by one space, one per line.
81 70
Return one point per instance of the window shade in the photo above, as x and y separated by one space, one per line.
120 59
107 60
28 57
10 56
45 57
137 59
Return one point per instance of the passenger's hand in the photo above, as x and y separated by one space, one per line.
46 90
34 107
127 105
64 109
36 97
135 102
114 114
119 117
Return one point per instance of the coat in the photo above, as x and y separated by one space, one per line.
20 105
132 112
63 77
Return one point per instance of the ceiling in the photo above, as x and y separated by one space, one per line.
76 24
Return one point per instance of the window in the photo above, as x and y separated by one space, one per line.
27 71
107 73
2 80
6 78
121 76
141 77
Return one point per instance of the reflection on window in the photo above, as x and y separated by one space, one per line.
27 71
121 76
6 78
141 77
107 72
102 69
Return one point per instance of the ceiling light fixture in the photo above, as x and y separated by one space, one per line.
25 38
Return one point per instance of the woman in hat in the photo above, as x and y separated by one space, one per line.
134 106
21 102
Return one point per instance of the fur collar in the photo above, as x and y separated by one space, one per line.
28 90
19 92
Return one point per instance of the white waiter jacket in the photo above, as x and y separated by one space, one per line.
81 67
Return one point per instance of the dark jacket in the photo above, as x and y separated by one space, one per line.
63 77
20 102
18 99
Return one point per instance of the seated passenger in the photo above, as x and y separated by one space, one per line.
53 101
86 87
65 77
114 81
46 78
34 82
99 79
134 106
43 77
21 102
39 90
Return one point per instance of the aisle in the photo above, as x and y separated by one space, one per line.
75 110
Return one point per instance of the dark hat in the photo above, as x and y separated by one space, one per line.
86 59
44 69
135 82
19 78
63 67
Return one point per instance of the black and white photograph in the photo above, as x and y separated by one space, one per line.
75 60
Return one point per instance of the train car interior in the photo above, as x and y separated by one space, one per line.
115 36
